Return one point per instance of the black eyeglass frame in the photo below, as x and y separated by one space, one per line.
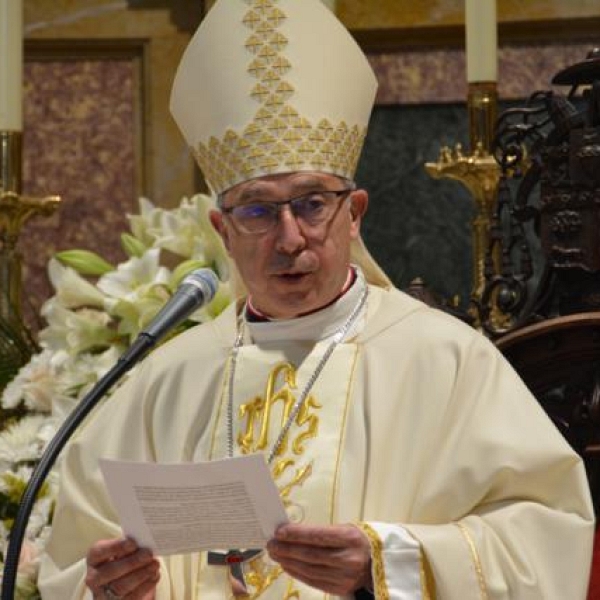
276 206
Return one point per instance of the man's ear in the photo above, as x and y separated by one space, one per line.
358 208
216 220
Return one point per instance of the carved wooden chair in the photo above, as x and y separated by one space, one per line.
553 335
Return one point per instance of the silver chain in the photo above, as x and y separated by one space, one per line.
337 338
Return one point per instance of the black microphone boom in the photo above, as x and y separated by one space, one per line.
197 289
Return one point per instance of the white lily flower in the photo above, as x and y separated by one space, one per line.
177 235
88 329
179 230
212 245
72 290
135 315
144 224
75 331
185 231
137 291
53 337
84 318
93 366
136 273
83 373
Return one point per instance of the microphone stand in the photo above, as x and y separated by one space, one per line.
198 288
136 351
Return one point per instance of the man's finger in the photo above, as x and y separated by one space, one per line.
339 581
293 551
135 580
106 550
340 536
115 569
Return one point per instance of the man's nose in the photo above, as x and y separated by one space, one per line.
290 238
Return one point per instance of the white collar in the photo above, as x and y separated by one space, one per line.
316 326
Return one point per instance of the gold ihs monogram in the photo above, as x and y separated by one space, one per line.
259 413
260 428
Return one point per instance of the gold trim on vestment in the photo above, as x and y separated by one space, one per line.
475 558
428 589
377 565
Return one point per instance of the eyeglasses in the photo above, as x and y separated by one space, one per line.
312 209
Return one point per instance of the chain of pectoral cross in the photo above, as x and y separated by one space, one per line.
235 559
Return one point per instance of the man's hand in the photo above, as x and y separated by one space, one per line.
333 558
121 567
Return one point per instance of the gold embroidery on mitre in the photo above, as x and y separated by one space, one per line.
258 67
268 66
262 419
254 43
252 20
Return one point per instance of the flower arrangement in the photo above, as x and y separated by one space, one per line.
97 311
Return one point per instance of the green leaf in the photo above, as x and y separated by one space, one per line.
84 262
132 246
219 303
183 269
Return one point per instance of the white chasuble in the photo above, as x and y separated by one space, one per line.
268 381
417 425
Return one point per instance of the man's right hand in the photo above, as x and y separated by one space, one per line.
121 567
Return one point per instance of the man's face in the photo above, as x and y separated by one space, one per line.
292 268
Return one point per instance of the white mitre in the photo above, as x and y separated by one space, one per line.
275 86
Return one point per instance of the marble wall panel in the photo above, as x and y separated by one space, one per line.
416 226
383 14
159 30
438 75
79 143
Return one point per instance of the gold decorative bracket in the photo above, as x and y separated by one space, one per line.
477 171
16 343
15 210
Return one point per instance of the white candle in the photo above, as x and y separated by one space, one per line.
11 65
481 40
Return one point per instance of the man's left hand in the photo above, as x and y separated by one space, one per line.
333 558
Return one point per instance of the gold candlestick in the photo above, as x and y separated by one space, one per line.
16 342
478 172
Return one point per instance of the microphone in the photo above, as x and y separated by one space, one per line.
197 289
